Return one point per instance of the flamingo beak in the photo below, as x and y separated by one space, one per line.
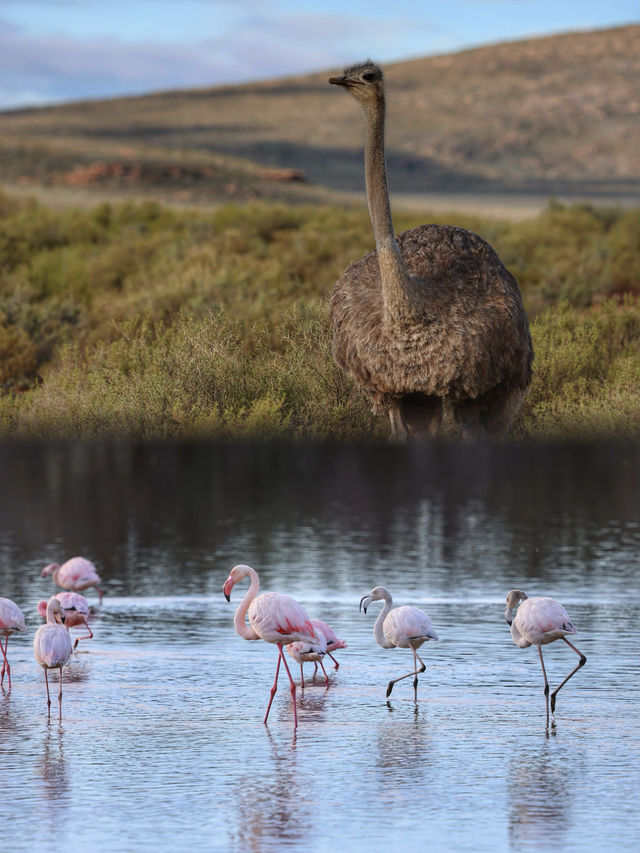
228 586
366 605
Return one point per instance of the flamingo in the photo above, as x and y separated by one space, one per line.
76 574
52 646
11 620
333 642
406 627
310 651
273 617
536 622
76 612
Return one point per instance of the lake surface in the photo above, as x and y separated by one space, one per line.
161 745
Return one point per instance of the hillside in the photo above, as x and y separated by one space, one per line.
554 115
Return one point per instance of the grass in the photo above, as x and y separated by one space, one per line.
135 320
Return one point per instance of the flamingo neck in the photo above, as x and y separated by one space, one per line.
51 613
378 633
240 618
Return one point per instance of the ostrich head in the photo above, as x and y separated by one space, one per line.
364 81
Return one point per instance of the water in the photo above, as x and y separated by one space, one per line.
161 745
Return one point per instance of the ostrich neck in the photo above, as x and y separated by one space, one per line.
240 619
378 633
393 274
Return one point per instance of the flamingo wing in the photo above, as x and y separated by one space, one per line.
279 618
406 624
73 601
333 642
52 646
11 617
540 620
78 571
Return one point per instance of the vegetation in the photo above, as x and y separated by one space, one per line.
141 321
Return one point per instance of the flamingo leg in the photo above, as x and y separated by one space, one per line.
86 636
326 677
581 663
337 665
302 677
60 691
293 687
46 681
273 689
414 672
5 661
100 594
546 683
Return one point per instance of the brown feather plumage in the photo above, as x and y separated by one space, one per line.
461 333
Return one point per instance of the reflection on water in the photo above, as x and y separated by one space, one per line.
541 796
52 767
162 741
270 807
403 755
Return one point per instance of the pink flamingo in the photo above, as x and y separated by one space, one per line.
313 650
76 612
76 574
539 621
405 627
274 618
11 620
52 646
333 642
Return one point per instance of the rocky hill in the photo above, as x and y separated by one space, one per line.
553 115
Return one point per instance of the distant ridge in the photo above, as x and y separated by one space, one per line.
555 115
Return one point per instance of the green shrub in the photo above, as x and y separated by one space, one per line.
151 322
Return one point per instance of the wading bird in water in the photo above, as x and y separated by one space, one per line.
313 651
76 574
333 642
76 612
52 646
273 617
536 622
11 620
406 627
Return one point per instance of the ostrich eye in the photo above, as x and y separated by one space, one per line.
369 76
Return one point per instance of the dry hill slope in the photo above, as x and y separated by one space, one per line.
559 114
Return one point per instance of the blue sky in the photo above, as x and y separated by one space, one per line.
57 50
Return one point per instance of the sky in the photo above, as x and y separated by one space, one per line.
62 50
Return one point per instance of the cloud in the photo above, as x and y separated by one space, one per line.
53 67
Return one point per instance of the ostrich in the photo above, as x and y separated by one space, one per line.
430 316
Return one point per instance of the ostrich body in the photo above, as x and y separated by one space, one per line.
430 316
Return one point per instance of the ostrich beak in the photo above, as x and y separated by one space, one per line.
339 81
